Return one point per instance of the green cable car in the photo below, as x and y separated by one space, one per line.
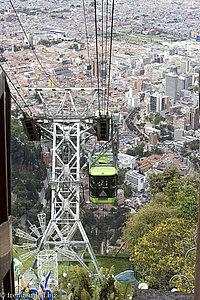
103 179
103 126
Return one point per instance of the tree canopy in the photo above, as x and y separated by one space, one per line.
161 232
160 253
28 173
145 220
158 182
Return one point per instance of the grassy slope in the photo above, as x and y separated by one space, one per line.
120 264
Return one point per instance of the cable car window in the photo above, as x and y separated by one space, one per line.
103 182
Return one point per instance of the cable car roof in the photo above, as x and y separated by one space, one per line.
103 171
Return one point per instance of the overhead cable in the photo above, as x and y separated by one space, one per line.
87 39
97 52
32 48
106 46
13 98
111 38
102 50
12 72
6 74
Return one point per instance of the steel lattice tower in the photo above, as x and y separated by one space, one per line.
64 233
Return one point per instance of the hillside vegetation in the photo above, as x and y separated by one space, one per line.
28 173
160 234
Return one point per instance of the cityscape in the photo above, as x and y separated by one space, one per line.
49 46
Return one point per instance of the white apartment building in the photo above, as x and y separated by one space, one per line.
126 161
137 180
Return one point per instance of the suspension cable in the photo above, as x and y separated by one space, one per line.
32 48
6 74
102 56
111 38
106 50
97 53
13 98
87 39
13 74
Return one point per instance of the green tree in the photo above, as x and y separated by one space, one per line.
121 176
158 182
3 59
189 204
28 172
127 190
170 128
159 199
160 254
172 191
157 119
193 180
138 150
144 220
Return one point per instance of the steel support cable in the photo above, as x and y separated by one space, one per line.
18 105
86 34
13 74
15 89
102 56
106 49
111 38
11 94
97 52
32 48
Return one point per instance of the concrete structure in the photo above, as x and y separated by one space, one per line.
136 180
178 134
192 117
126 161
184 66
153 140
171 86
151 294
158 102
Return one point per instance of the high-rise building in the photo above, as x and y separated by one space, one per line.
188 81
171 86
153 140
158 102
164 103
184 66
193 117
181 84
133 100
153 103
179 122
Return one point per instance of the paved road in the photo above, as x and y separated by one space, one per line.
42 193
191 169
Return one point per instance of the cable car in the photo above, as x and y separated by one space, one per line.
103 179
31 129
103 126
